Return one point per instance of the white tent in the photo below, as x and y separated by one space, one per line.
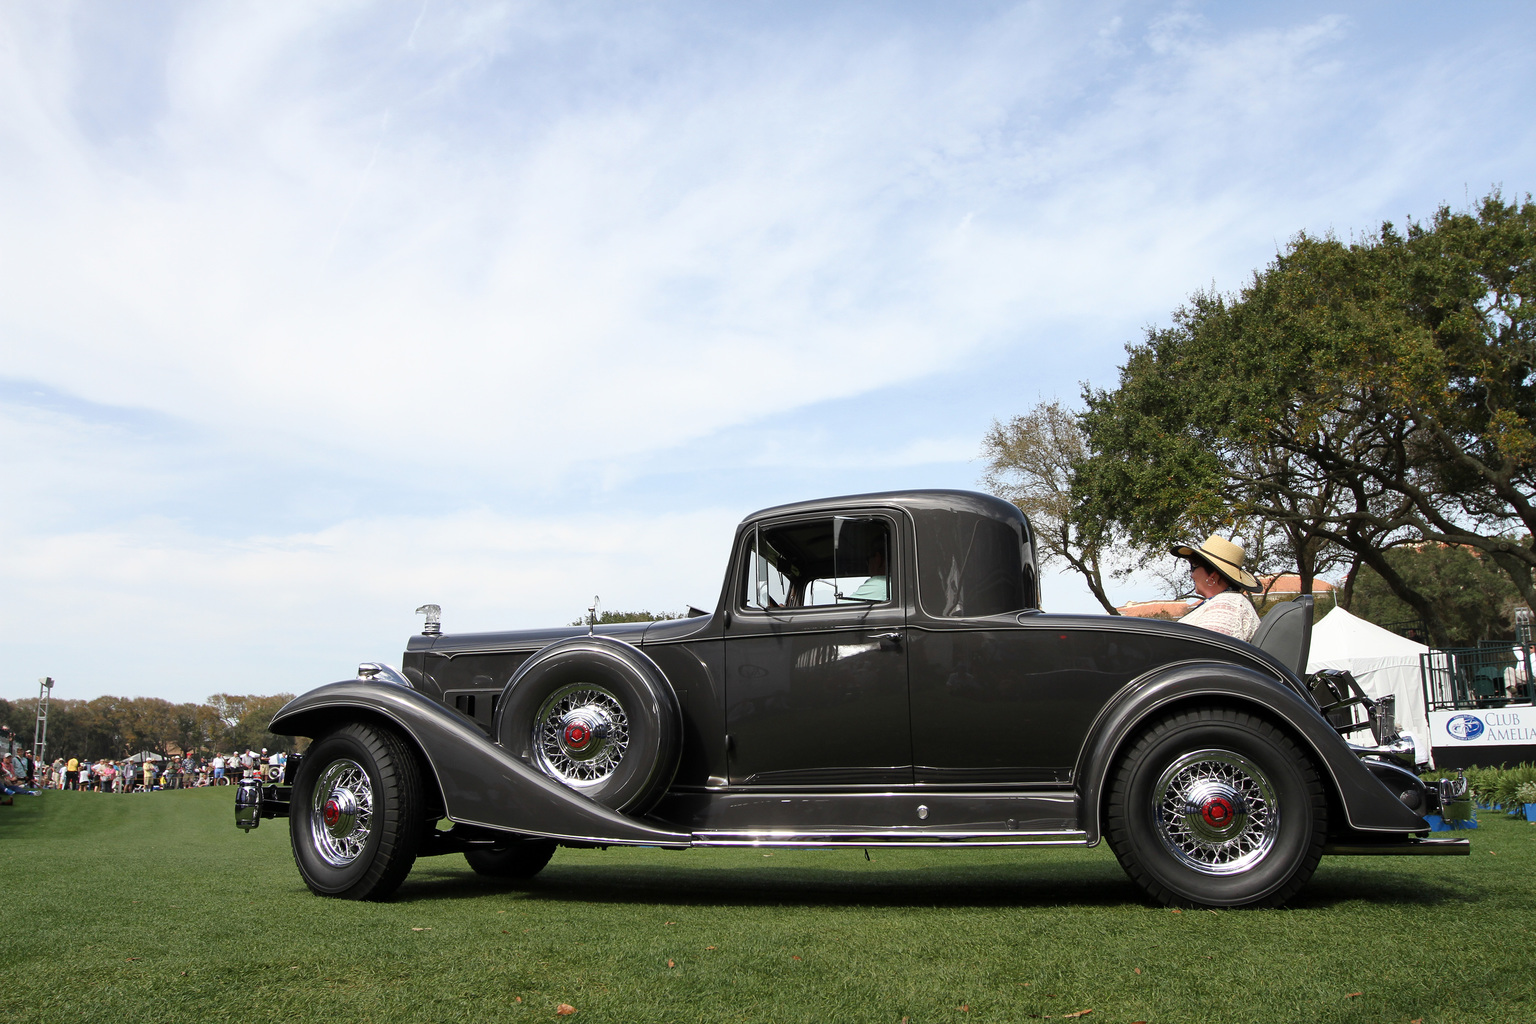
1381 662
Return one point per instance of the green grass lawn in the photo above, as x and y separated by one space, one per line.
154 908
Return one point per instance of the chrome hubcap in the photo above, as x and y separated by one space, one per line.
342 812
581 734
1216 812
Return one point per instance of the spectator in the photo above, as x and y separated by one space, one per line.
1517 677
1220 579
10 783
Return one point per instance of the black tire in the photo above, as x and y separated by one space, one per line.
597 716
520 858
1214 807
357 814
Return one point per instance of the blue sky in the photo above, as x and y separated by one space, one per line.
311 313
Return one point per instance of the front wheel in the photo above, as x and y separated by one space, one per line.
356 815
1217 808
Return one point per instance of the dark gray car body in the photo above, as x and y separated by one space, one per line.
954 713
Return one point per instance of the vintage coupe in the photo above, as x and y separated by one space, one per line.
877 672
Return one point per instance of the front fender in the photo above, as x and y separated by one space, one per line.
1368 805
481 783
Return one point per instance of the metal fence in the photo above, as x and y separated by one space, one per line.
1489 676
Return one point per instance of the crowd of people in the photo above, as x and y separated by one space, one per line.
142 773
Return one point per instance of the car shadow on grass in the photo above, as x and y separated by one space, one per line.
735 886
1085 884
1336 884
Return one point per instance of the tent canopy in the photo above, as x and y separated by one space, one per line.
1340 635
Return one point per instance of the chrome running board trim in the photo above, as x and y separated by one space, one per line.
891 837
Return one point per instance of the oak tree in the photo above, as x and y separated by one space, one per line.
1359 396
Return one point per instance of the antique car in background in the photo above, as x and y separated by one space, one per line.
877 672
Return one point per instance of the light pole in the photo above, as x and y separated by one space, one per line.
40 730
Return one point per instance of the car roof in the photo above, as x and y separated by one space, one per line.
933 500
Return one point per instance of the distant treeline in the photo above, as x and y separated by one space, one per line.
118 726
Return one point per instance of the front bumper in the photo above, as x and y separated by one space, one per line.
255 799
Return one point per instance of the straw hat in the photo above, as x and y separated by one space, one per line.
1222 555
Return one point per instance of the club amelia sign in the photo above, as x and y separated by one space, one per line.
1483 727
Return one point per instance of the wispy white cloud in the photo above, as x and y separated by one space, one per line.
309 283
152 607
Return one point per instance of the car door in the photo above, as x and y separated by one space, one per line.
816 666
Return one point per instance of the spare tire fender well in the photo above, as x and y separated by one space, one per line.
617 691
600 646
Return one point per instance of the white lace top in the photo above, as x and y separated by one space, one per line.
1228 612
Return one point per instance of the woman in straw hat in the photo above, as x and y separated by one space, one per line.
1220 579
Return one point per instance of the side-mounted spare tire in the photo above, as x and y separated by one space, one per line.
598 716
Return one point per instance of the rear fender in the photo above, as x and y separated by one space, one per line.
481 783
1368 806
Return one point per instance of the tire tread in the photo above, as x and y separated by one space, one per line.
400 825
1118 826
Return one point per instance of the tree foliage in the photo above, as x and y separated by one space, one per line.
1029 462
245 719
1476 599
1356 396
118 726
606 618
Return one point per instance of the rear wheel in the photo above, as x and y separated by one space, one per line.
1218 808
519 858
357 813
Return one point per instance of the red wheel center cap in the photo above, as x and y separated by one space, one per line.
1217 812
577 735
332 812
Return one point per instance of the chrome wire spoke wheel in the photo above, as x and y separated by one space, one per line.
1216 811
580 734
341 812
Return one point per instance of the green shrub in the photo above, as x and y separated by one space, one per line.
1502 786
1509 782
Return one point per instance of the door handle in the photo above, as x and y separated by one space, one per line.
894 637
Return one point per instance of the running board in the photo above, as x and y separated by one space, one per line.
1403 848
890 838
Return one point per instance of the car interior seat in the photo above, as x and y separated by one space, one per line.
1286 634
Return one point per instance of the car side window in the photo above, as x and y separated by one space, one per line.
815 563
